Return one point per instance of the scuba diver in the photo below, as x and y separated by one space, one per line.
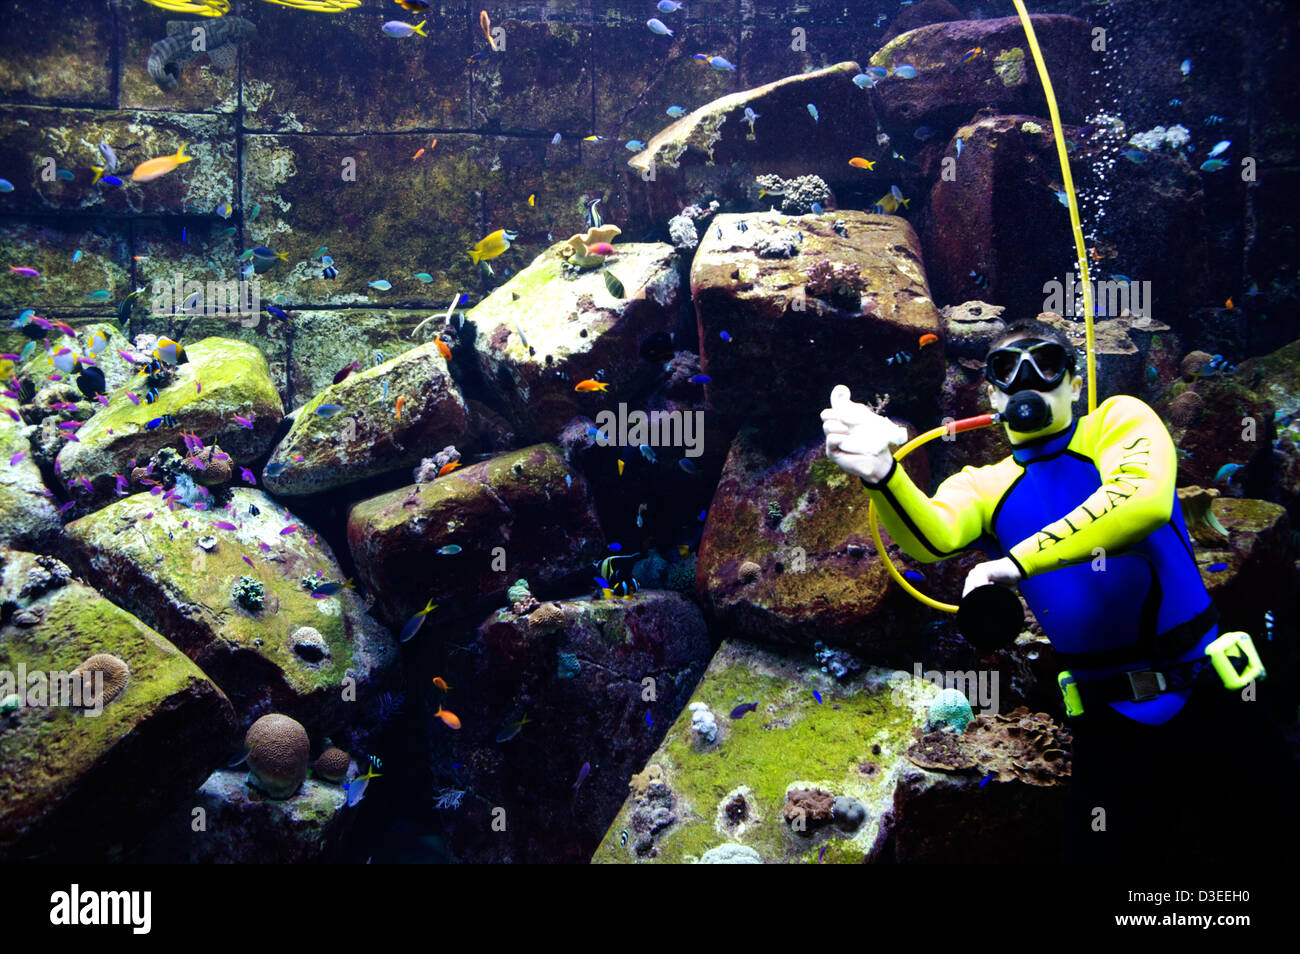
1082 517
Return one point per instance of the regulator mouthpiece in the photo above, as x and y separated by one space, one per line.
1027 411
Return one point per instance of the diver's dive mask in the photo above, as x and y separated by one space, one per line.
1038 366
1022 371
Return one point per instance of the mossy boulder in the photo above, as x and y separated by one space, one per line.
600 682
542 333
245 827
46 62
768 775
372 434
947 91
178 570
234 380
30 518
714 142
80 786
1248 573
519 514
775 342
787 557
48 246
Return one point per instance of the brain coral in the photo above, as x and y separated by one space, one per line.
116 675
278 750
332 764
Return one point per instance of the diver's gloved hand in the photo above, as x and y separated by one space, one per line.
858 440
993 571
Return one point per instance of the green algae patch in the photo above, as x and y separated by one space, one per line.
840 745
1009 65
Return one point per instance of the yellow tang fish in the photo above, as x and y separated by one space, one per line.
152 169
492 245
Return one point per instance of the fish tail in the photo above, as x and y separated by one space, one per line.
419 28
283 256
180 155
99 172
474 256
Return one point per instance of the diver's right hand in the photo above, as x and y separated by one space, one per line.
857 438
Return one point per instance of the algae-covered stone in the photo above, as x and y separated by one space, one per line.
47 61
528 505
234 381
245 827
30 517
803 523
541 333
775 343
373 434
714 144
147 557
63 289
640 659
849 743
77 784
1002 76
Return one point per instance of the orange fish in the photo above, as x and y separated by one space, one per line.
857 162
591 385
433 144
446 469
449 718
927 339
441 683
400 402
152 169
1228 304
485 23
443 349
418 153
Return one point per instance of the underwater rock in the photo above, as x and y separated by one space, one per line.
730 854
234 382
71 787
807 809
41 66
520 501
139 553
784 349
1249 571
711 149
600 715
821 577
246 827
30 517
278 750
1208 424
944 92
757 761
970 329
540 334
369 436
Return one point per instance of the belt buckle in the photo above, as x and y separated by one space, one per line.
1145 684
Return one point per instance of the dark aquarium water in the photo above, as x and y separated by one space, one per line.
464 433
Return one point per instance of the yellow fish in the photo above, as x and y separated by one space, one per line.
532 200
620 467
492 245
152 169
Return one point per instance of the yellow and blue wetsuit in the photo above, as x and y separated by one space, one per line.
1106 481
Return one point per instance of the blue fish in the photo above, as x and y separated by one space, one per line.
110 180
724 335
275 312
6 185
740 710
650 723
615 547
1216 568
812 111
1227 472
701 379
914 576
721 64
906 71
864 81
687 465
1213 165
1134 155
818 696
634 145
677 112
647 452
923 133
702 515
817 209
66 175
957 143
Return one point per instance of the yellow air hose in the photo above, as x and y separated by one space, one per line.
1081 253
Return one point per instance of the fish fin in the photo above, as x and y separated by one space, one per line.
419 28
99 172
180 155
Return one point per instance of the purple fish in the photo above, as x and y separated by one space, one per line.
122 487
14 414
129 359
264 547
149 515
90 488
224 525
822 854
247 475
582 774
198 387
71 436
249 562
200 505
8 356
242 421
17 458
102 399
134 400
70 425
740 710
293 527
65 507
63 406
155 490
24 271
